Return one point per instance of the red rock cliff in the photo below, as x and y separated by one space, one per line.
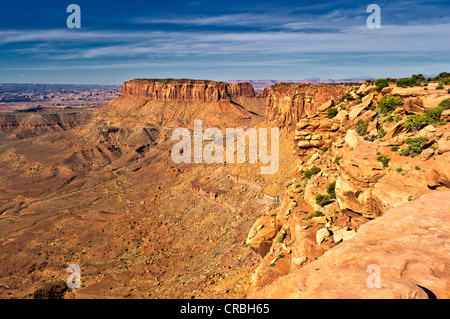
184 90
286 103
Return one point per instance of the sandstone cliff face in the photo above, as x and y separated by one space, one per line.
171 90
286 103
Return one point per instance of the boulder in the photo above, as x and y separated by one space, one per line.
351 139
439 174
261 235
444 143
412 106
322 234
325 106
426 154
356 111
394 131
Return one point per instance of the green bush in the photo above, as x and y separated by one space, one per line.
381 84
317 213
445 104
347 97
332 112
389 119
331 189
361 127
389 103
282 236
439 87
399 169
310 172
417 168
324 199
381 132
384 160
395 148
337 159
431 116
415 146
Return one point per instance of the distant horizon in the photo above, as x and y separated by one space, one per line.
358 78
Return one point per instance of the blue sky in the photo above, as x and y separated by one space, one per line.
226 40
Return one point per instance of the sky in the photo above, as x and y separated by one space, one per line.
220 40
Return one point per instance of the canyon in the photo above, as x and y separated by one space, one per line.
98 188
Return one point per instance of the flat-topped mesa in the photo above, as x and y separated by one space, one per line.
288 102
185 90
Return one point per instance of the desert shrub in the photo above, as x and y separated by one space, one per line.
439 87
398 118
317 213
431 116
395 148
332 112
415 146
324 199
445 104
347 97
414 122
331 189
389 119
381 132
384 160
310 172
389 103
412 81
282 236
337 159
417 168
361 127
381 84
399 169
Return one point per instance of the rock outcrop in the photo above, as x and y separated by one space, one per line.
408 245
287 103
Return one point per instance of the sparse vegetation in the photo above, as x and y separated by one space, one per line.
415 147
381 84
337 159
332 112
389 103
324 199
399 169
431 116
361 127
384 160
310 172
395 148
347 97
317 213
381 132
282 236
